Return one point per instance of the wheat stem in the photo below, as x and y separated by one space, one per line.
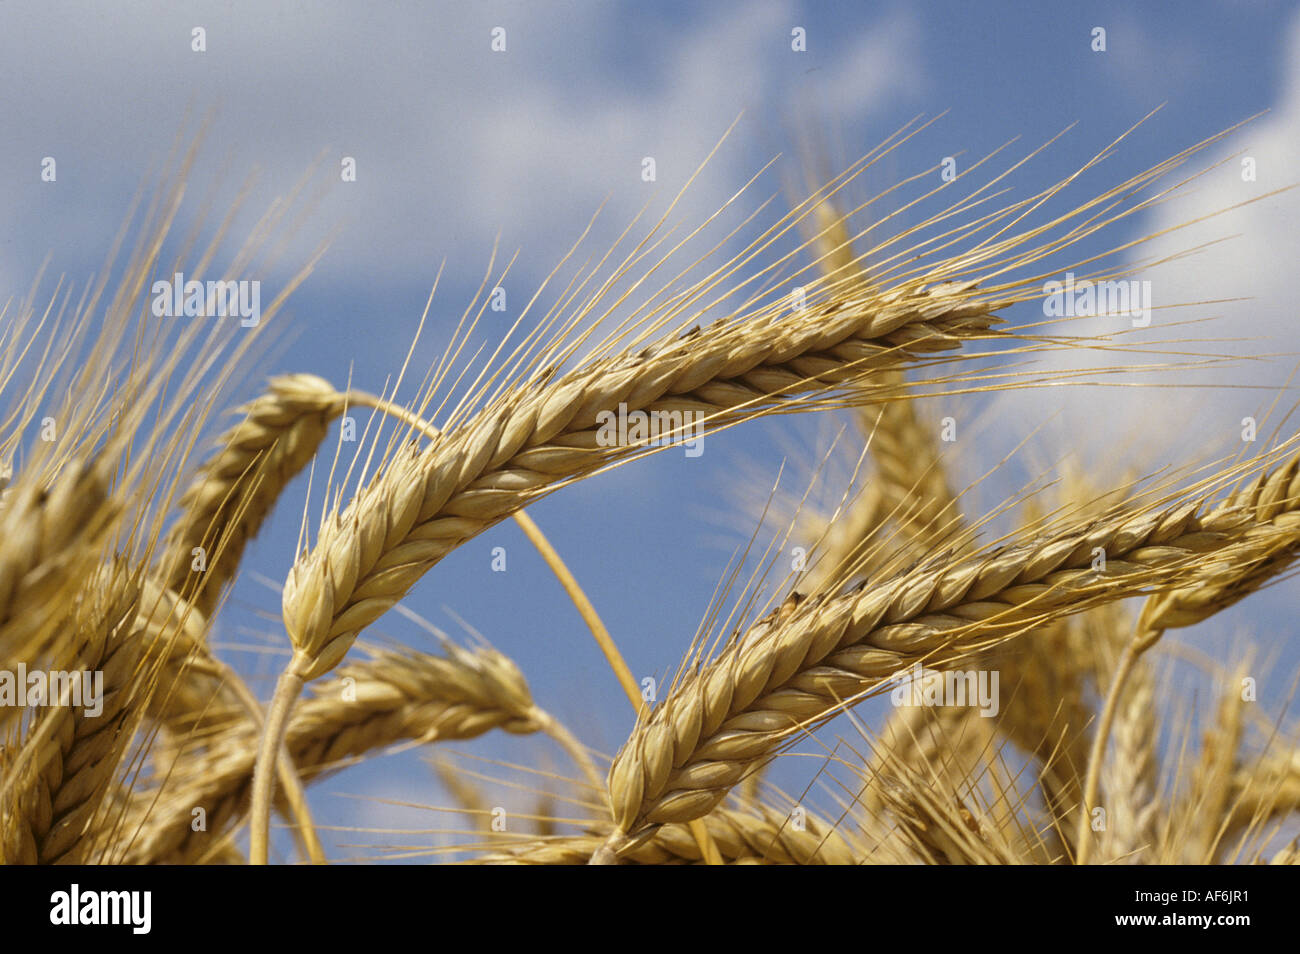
583 605
609 648
290 781
287 688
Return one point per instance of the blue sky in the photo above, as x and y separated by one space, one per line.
459 148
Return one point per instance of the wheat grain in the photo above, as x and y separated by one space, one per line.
942 746
1210 797
943 833
1261 790
1273 496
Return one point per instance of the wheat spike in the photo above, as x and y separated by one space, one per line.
58 794
1262 790
369 705
764 834
1210 796
425 504
1129 775
234 490
941 828
763 688
48 539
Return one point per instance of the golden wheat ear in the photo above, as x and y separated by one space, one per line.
761 835
73 751
230 496
369 706
769 685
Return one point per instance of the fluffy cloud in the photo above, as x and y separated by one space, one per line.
455 144
1230 275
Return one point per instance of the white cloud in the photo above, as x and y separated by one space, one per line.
1254 256
454 143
